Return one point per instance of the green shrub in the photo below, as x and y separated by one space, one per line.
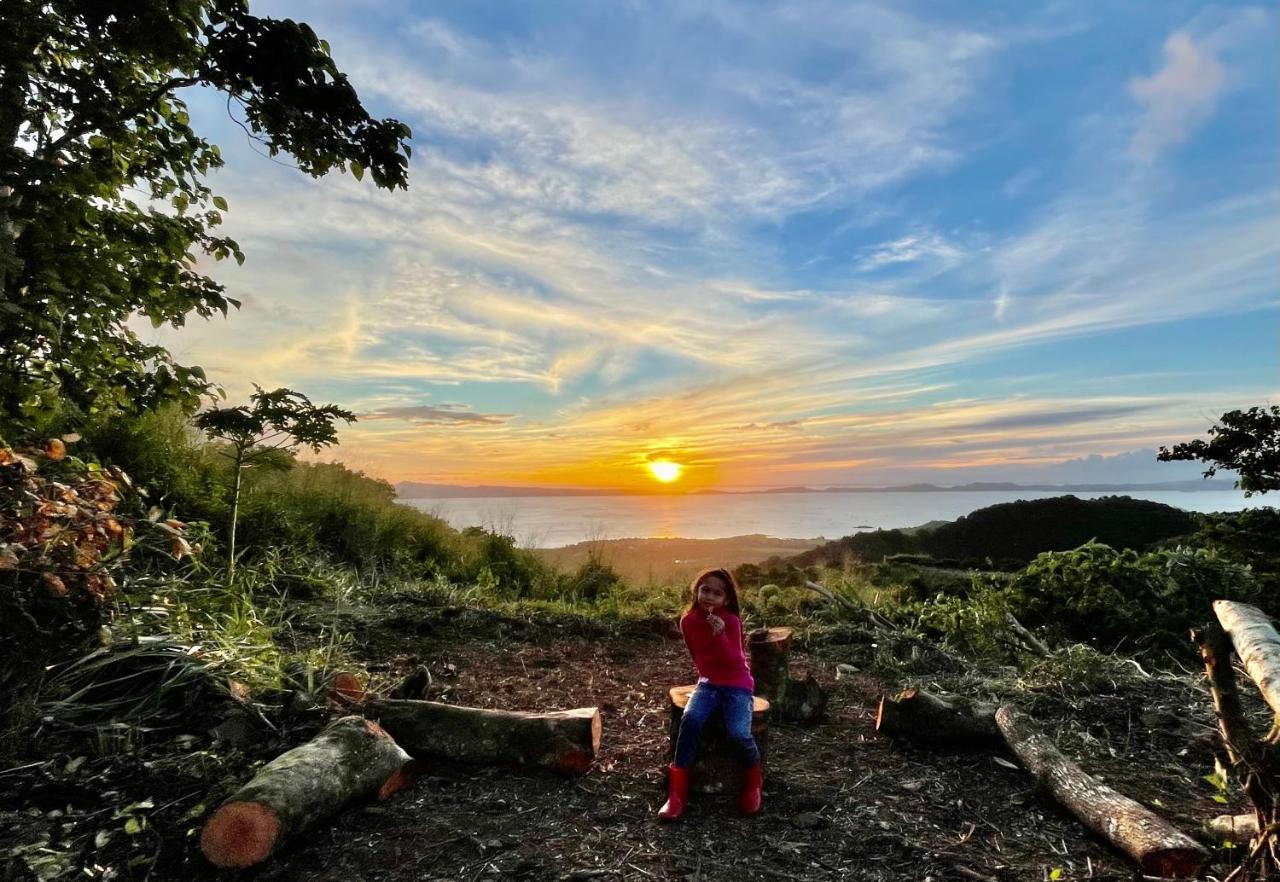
1105 597
347 515
167 457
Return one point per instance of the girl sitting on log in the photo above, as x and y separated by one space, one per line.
712 630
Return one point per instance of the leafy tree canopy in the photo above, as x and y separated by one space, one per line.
104 212
1246 442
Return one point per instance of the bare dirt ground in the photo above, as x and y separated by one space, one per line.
672 561
840 801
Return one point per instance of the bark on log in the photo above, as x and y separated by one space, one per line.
563 741
1257 643
1238 829
715 767
928 720
1154 844
352 759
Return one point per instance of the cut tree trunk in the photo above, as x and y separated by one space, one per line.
770 659
1154 844
797 700
353 759
563 741
716 768
928 720
1257 643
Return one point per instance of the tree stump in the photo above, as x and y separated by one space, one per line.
770 657
715 766
797 700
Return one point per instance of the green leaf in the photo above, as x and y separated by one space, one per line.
135 825
220 203
1218 797
357 169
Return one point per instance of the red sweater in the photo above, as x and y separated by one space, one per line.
718 658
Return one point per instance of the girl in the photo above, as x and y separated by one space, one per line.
713 633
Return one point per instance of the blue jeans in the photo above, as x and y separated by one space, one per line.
736 704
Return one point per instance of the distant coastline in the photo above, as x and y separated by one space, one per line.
416 490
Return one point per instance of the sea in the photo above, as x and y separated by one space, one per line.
556 521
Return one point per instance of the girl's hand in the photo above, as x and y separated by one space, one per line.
717 624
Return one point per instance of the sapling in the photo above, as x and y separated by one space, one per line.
267 432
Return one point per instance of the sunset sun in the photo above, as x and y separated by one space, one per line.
665 470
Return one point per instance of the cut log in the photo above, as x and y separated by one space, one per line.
1237 829
345 689
1258 645
1154 844
563 741
351 760
928 720
796 700
715 766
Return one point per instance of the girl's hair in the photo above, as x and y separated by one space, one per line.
730 589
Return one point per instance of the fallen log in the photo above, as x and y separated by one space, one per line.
1257 643
715 767
1238 829
929 720
563 741
1154 844
351 760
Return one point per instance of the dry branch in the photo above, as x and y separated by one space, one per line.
1154 844
563 741
351 760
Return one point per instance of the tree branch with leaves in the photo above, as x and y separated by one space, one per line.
1246 442
267 432
104 210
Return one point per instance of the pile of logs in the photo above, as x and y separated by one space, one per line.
355 759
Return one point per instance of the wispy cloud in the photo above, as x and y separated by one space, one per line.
438 415
909 249
1178 97
1185 91
806 237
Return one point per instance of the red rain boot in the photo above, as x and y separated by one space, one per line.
677 794
749 796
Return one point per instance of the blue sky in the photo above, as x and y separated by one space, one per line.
785 243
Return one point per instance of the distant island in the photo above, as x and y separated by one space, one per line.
416 490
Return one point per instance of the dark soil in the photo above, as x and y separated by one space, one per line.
840 801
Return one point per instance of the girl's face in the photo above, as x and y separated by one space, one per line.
712 593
